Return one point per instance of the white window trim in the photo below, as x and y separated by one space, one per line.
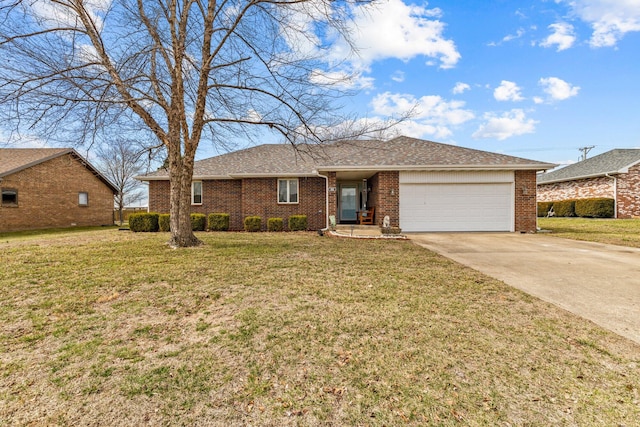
287 180
193 194
86 203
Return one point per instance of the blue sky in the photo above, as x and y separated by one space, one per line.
535 79
531 78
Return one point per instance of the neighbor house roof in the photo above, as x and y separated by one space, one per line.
610 163
14 160
401 153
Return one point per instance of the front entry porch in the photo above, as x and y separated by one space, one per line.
353 202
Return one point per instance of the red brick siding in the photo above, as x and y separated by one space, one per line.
385 196
525 201
579 189
48 197
629 193
249 197
260 197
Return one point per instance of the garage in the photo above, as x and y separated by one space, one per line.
456 201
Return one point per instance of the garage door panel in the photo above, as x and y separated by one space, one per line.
456 207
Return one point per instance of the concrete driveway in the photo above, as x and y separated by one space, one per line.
595 281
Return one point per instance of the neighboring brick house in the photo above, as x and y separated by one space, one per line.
52 187
614 175
420 185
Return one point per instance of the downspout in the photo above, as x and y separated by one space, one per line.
615 194
326 200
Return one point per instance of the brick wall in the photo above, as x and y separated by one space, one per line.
629 193
48 197
579 189
385 196
525 201
249 197
260 197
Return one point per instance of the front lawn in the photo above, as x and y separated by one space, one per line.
115 328
623 232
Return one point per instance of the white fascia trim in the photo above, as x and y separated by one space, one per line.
537 167
273 175
575 178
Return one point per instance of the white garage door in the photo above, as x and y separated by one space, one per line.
456 201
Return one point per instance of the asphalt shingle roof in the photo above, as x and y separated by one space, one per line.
398 153
612 162
13 160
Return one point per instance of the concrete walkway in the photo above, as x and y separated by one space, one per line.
595 281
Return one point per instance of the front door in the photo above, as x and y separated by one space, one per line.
348 202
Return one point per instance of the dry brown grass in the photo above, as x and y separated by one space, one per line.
113 328
623 232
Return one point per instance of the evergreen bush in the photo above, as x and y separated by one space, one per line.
198 222
298 223
219 221
164 222
544 208
595 208
252 223
275 224
143 222
565 208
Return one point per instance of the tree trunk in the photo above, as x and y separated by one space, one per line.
180 173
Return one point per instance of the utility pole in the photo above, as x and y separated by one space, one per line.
585 151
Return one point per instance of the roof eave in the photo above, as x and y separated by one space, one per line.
37 162
537 167
574 178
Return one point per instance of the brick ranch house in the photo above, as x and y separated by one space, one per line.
52 187
420 185
614 175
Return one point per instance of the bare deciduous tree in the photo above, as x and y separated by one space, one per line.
176 68
120 161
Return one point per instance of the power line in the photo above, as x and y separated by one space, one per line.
585 151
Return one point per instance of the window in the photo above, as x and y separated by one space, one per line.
9 197
196 193
287 191
83 198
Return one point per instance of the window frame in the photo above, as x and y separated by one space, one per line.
86 198
288 182
193 194
9 204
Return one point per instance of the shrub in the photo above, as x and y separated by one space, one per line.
544 208
143 222
298 222
252 223
198 222
219 221
164 222
595 208
565 208
275 224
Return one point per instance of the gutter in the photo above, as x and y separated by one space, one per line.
326 200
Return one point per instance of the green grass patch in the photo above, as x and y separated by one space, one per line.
623 232
282 329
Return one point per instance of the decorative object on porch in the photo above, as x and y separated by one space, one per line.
365 217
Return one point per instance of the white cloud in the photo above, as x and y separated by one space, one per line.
430 115
341 79
398 76
393 29
562 36
509 124
507 91
609 19
460 88
558 89
521 32
538 100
